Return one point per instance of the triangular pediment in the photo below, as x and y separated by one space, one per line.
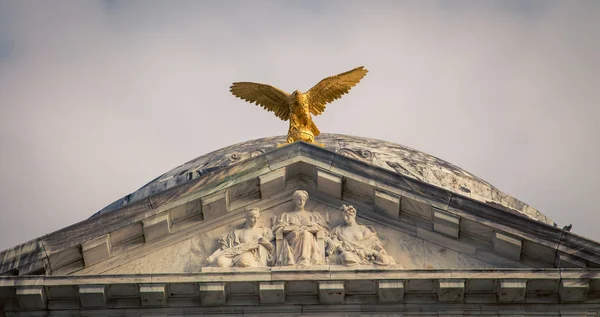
420 225
189 253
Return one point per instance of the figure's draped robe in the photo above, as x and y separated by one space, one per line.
299 246
367 250
243 253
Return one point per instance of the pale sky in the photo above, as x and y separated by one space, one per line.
97 98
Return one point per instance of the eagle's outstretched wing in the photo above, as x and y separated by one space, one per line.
332 88
266 96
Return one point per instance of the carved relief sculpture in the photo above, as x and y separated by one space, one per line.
249 246
355 243
300 235
297 107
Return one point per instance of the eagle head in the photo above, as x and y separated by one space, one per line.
298 96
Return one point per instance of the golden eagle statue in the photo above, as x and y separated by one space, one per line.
298 107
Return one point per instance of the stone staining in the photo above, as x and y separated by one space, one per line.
300 235
355 243
249 246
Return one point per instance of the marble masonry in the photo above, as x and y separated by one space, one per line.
356 227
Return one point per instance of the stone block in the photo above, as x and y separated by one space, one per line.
215 204
574 290
186 210
331 292
38 267
31 297
511 290
387 203
566 261
127 233
415 207
157 226
64 257
358 187
212 294
391 291
507 246
153 294
96 250
92 296
329 183
451 290
446 223
272 183
271 292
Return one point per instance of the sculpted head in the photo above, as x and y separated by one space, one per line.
349 213
300 197
298 96
252 217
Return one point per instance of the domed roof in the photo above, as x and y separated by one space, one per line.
393 157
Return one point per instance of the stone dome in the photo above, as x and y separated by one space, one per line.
393 157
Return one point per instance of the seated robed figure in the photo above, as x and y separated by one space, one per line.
300 235
355 243
249 246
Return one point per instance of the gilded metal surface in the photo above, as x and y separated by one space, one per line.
297 107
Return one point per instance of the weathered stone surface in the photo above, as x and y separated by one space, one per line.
175 258
390 291
212 294
567 261
510 291
156 227
31 297
331 292
507 245
574 290
409 251
387 203
62 292
92 296
215 205
96 250
361 287
431 290
415 207
329 183
418 237
393 157
186 210
446 223
416 222
451 290
272 183
272 292
153 294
